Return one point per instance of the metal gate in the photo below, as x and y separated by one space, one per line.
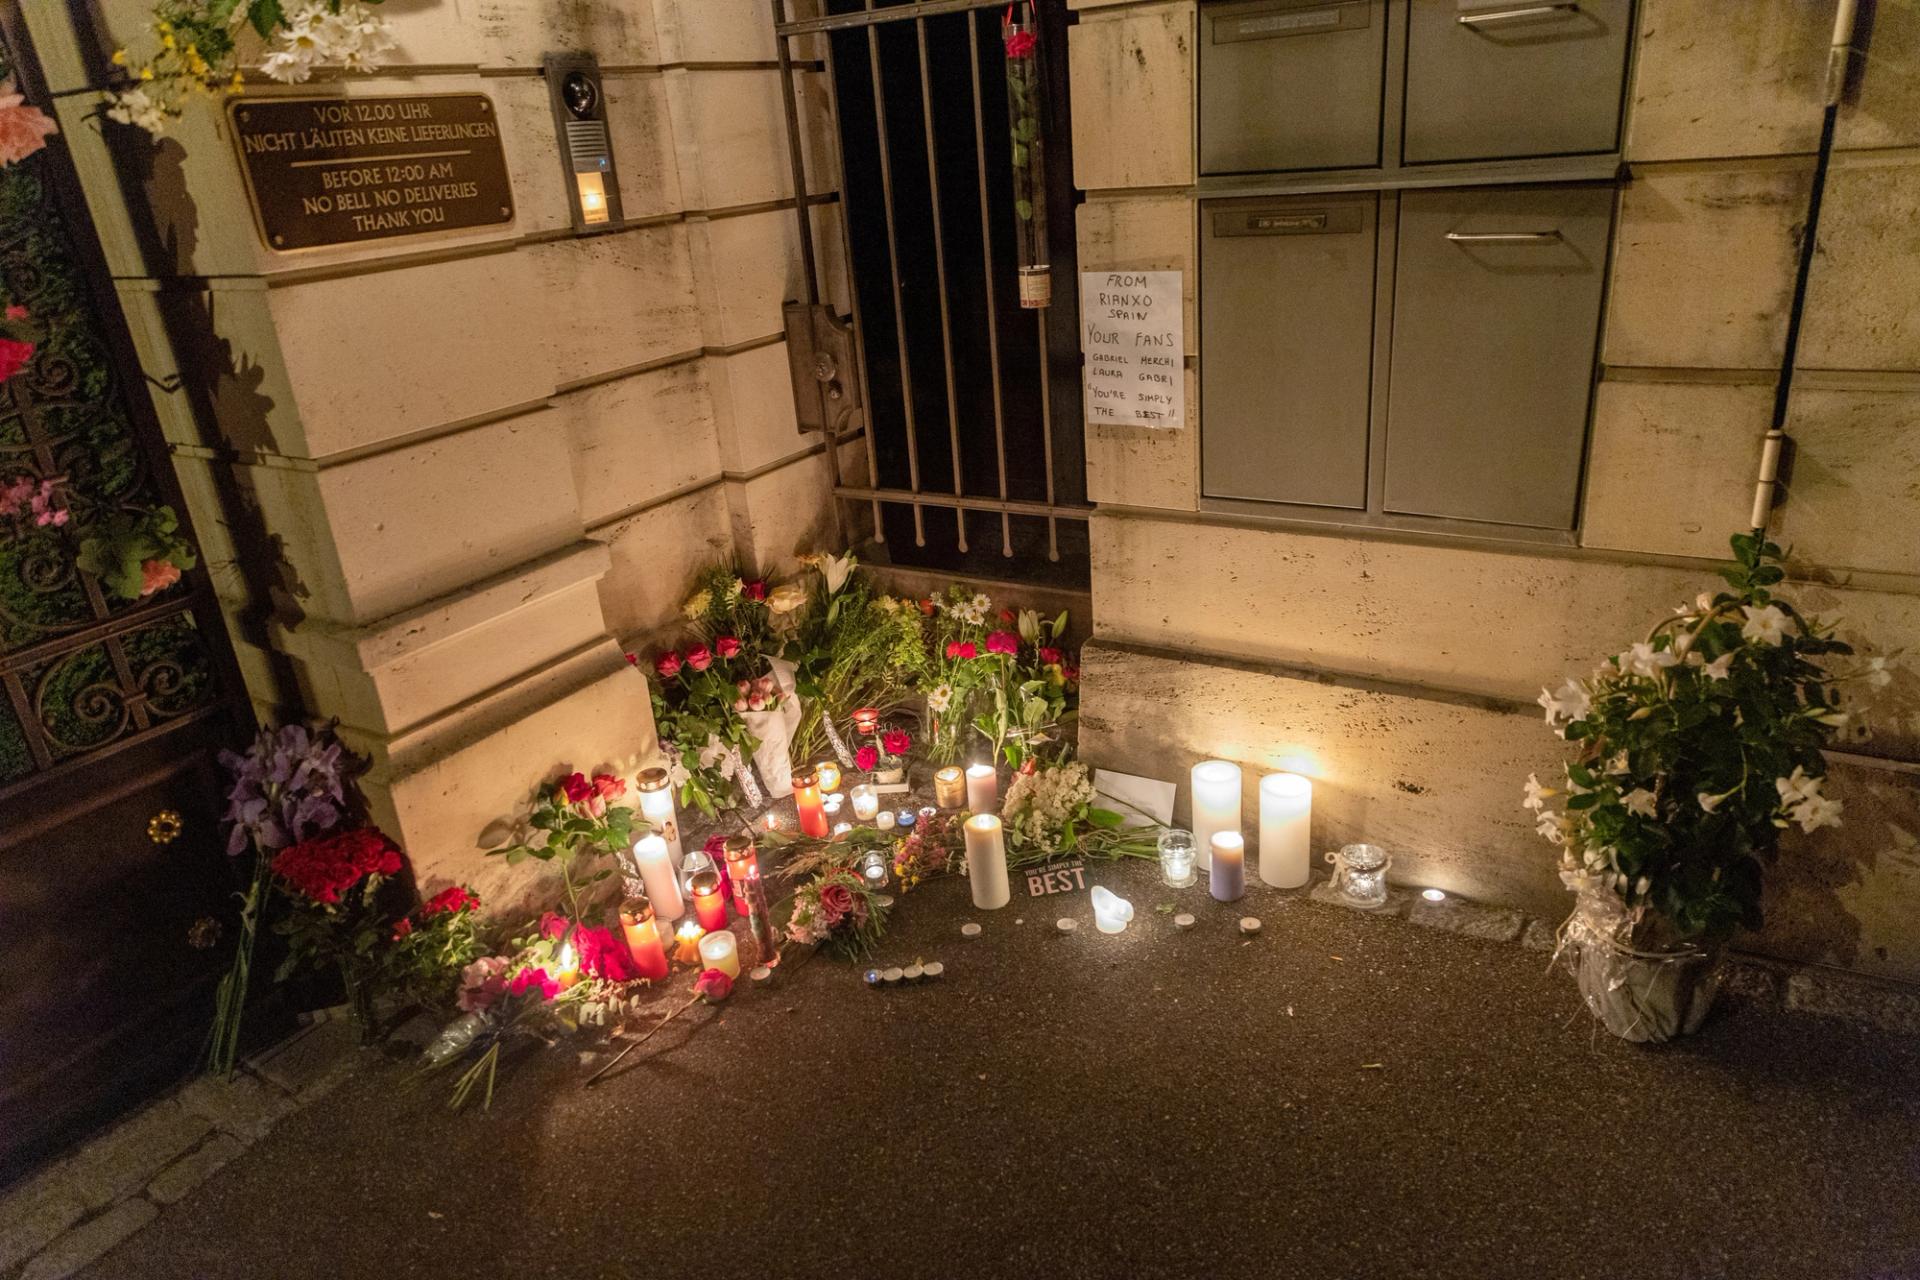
970 402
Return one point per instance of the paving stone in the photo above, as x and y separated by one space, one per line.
183 1175
121 1161
1839 995
311 1063
35 1212
245 1105
1748 978
1541 935
1469 919
89 1240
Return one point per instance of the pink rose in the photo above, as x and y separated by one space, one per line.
1003 642
608 787
157 575
483 982
836 904
865 759
727 647
699 657
896 742
739 704
531 979
713 986
667 664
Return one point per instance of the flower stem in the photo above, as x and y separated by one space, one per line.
642 1040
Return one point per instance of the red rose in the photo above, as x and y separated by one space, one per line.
1071 675
865 759
926 607
1051 656
402 929
667 664
755 590
1006 615
576 788
13 357
896 742
713 986
836 903
699 657
1003 642
1020 44
389 864
453 898
608 787
325 867
727 647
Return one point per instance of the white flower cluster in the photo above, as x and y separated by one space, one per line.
939 698
1040 804
138 107
353 38
1801 802
972 611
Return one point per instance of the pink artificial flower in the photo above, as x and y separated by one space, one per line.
156 575
865 759
14 355
667 664
16 312
1003 642
699 657
896 742
727 647
23 129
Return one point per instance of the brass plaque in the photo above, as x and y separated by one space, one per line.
324 171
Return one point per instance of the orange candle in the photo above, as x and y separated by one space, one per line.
743 861
709 908
686 948
806 799
643 938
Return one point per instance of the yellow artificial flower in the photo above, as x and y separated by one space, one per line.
166 41
146 73
119 58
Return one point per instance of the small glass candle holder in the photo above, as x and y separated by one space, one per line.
696 862
866 720
1360 874
709 906
829 774
866 802
884 819
873 869
1178 857
905 819
950 787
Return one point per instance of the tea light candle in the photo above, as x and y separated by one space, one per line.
656 806
642 932
831 802
1227 876
566 966
987 862
709 908
883 819
841 828
1111 912
829 774
1216 803
686 943
866 802
656 872
905 819
950 787
1286 822
983 787
806 800
718 950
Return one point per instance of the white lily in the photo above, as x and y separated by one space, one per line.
836 570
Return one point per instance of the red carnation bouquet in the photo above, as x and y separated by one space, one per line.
334 886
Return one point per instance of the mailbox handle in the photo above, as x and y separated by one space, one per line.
1525 11
1502 237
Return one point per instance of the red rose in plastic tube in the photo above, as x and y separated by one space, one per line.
699 657
727 647
667 664
1020 44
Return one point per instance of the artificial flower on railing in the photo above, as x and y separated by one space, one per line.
136 553
23 128
198 49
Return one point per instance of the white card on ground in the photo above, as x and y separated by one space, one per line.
1139 800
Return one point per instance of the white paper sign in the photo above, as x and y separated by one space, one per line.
1138 800
1133 338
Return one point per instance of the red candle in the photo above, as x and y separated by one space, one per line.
806 799
866 719
709 908
743 862
643 938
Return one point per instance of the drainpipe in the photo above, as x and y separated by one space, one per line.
1839 56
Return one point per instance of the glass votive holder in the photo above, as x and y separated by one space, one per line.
884 820
696 862
1360 874
866 802
873 869
1177 857
905 819
829 774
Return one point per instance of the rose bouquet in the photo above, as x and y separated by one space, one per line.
337 919
838 912
572 821
433 945
886 755
1049 813
1695 749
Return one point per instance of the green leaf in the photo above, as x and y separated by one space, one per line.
1024 208
1105 819
266 17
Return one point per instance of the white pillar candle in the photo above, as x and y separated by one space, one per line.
656 806
866 802
1110 911
656 872
1286 829
1227 874
983 788
1216 804
719 950
987 862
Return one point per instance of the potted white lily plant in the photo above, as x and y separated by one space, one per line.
1696 749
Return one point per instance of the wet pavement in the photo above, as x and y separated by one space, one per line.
1341 1096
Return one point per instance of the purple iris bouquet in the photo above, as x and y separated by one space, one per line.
292 784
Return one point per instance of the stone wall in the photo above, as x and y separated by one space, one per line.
440 479
1399 670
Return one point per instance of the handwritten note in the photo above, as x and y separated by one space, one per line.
1132 333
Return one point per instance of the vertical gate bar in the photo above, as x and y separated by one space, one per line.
993 310
853 295
1046 429
940 267
893 265
796 158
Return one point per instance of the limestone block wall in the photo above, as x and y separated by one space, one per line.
444 481
1399 670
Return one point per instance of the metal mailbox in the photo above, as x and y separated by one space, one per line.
1488 80
1287 326
1290 84
1495 324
